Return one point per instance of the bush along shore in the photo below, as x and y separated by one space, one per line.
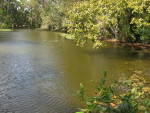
125 20
124 96
96 20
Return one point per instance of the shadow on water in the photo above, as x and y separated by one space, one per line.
39 71
119 52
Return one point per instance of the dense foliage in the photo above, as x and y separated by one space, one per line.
47 14
122 97
53 14
126 20
16 14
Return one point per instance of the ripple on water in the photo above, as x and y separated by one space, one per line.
38 73
27 87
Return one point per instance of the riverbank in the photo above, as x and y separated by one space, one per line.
136 44
6 30
71 37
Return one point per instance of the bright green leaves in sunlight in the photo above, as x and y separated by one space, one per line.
125 20
96 20
83 22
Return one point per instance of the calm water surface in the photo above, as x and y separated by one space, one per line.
40 71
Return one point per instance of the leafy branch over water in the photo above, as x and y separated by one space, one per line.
125 20
121 97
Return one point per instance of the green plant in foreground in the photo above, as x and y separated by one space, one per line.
121 97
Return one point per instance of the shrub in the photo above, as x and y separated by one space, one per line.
121 97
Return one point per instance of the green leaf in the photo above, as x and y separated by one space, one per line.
81 86
79 112
133 90
103 80
88 103
112 88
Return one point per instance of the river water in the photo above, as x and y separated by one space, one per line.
40 71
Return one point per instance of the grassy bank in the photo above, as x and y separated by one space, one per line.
6 30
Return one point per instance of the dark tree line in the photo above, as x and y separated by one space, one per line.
18 14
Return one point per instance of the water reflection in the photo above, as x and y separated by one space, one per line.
40 71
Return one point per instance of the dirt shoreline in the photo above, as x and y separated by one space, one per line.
136 44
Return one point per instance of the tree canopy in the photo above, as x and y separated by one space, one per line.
125 20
